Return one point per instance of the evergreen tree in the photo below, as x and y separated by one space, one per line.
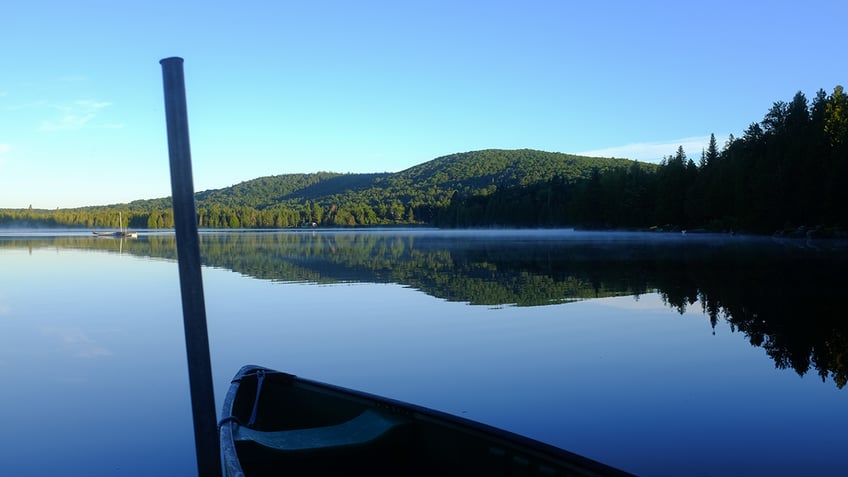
711 156
836 117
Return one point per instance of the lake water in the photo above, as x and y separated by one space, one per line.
658 354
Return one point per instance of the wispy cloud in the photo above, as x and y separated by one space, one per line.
76 343
4 148
654 151
75 115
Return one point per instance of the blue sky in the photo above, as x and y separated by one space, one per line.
278 87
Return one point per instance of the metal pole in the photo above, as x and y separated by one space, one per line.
191 282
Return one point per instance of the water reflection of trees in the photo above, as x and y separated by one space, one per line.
783 296
792 308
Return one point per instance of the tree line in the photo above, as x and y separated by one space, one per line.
308 214
414 196
786 172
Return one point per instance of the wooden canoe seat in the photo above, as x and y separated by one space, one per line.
362 429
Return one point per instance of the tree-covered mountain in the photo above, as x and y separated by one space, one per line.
786 173
413 196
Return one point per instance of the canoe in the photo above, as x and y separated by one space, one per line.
279 424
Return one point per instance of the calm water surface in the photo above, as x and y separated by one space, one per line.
658 354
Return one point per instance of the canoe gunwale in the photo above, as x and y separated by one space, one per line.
232 467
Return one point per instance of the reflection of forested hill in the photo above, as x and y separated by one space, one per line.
783 295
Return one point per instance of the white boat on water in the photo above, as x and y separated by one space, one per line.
122 232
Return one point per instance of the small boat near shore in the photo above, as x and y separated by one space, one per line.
115 234
120 233
276 423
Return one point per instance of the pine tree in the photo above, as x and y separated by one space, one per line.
711 156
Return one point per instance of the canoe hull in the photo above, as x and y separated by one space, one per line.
298 426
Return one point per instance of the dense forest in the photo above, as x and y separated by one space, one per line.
785 173
418 195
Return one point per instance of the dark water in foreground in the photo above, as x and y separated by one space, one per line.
658 354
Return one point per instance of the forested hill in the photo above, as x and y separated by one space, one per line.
786 173
433 182
413 196
473 172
